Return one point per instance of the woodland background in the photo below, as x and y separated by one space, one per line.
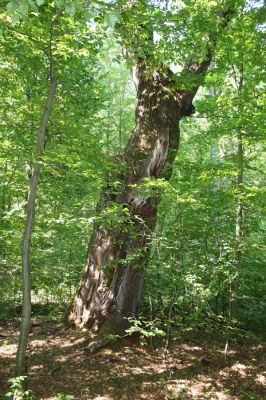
202 273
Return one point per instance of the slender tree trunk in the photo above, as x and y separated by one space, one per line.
240 161
239 224
150 152
26 241
239 206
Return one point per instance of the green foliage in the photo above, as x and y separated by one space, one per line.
145 328
110 337
62 396
178 395
248 395
193 263
16 389
75 163
192 267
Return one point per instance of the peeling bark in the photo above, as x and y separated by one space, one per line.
107 298
150 152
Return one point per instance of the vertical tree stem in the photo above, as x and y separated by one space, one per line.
31 202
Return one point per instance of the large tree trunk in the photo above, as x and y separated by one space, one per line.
121 251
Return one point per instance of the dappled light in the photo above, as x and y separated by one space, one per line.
194 367
132 200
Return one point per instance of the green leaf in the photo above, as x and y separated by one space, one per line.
11 7
111 18
88 15
15 19
71 10
23 8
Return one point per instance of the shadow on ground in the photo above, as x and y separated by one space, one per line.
194 368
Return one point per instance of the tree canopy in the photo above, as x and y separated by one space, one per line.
153 153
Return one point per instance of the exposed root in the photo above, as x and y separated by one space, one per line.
97 344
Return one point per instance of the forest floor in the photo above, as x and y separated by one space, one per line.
194 368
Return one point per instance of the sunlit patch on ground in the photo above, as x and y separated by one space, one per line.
194 368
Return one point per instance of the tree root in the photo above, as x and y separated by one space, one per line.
97 344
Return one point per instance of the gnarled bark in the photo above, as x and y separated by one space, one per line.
150 152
